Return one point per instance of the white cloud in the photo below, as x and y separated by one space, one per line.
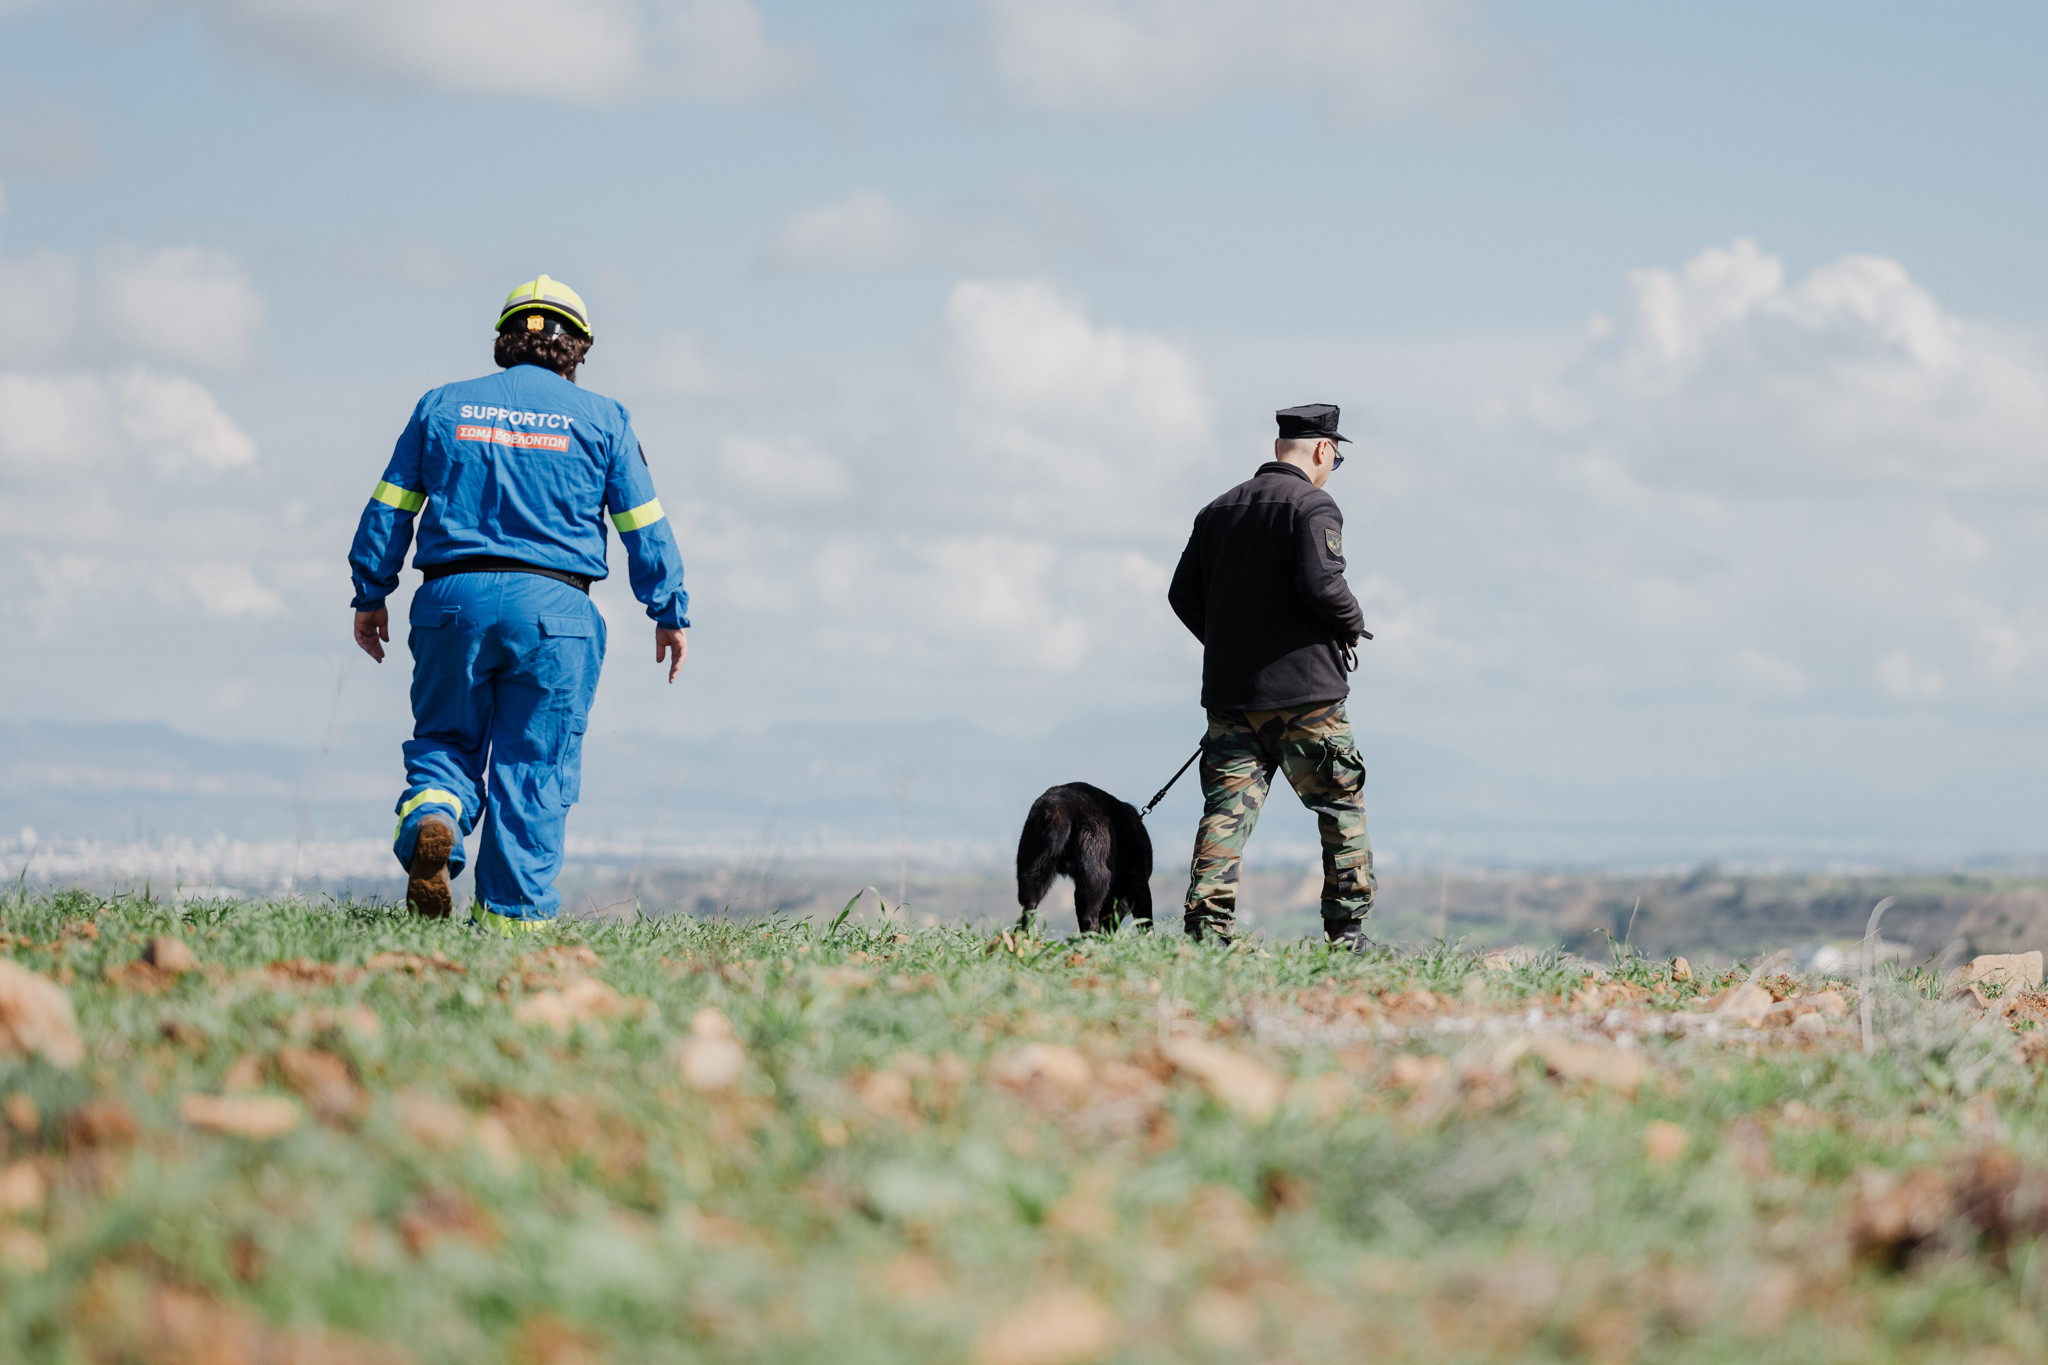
782 469
56 426
998 529
1726 378
1777 494
678 367
65 575
223 588
1036 549
1366 61
928 603
1017 554
1024 225
2002 650
178 425
42 293
1905 680
132 464
1409 639
1027 353
191 304
1759 676
62 426
864 231
46 143
1071 421
591 52
414 263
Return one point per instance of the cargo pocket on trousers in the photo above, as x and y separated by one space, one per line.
1342 768
556 627
569 763
423 617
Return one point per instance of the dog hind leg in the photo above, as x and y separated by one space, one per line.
1038 855
1137 900
1092 877
1132 875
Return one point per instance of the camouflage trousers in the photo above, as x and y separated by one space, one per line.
1313 746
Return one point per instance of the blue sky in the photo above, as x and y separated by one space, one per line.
1696 352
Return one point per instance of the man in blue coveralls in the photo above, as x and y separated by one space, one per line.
511 477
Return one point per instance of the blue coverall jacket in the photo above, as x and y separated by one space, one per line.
521 466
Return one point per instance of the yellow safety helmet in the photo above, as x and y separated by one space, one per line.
536 299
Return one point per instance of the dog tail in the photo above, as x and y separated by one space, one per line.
1038 851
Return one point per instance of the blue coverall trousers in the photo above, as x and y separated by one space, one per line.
504 666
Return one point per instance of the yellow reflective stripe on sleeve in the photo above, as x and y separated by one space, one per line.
432 795
646 514
404 499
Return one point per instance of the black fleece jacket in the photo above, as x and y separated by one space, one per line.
1261 585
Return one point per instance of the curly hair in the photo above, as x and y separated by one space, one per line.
561 352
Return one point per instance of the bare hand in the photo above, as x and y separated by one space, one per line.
666 640
373 628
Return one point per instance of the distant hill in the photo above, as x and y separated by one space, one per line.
143 781
806 788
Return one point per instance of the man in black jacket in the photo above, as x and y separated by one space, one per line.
1261 585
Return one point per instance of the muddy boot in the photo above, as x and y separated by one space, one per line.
1348 934
426 884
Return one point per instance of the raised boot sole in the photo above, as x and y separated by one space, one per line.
426 884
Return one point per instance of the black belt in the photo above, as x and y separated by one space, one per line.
500 564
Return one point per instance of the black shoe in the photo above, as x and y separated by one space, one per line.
1348 934
1208 931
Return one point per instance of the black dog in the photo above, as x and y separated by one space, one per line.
1084 833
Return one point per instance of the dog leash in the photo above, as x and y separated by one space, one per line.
1160 795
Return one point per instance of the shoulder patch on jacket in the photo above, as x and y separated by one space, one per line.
1334 538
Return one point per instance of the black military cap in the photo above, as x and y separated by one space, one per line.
1312 422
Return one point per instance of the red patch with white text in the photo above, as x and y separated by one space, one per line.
523 440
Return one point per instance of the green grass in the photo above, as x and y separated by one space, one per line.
884 1184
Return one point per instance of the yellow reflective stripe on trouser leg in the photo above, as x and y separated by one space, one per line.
490 921
646 514
431 796
404 499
